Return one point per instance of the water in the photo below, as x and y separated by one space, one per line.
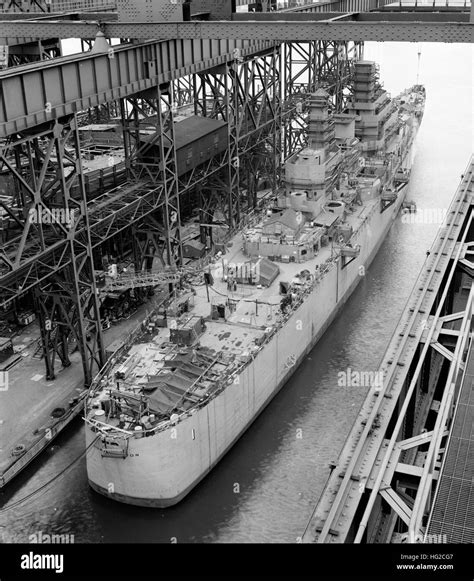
266 486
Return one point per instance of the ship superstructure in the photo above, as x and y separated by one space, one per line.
202 366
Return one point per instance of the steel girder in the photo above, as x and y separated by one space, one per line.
67 301
35 94
99 114
210 94
169 177
38 181
261 155
247 96
149 242
234 108
55 315
250 87
134 110
39 7
320 64
26 263
109 214
153 110
67 307
116 210
357 16
388 27
326 5
182 91
21 6
39 93
33 51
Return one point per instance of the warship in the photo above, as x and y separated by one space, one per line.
173 399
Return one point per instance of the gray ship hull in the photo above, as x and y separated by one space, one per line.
161 470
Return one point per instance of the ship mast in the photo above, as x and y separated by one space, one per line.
418 67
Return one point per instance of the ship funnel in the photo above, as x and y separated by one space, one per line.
301 201
298 201
335 207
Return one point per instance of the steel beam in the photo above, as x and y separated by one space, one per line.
52 6
39 93
390 29
67 305
432 8
25 261
391 17
73 15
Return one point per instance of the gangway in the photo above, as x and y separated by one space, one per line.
139 280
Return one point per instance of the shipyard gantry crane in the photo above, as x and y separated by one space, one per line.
235 82
229 70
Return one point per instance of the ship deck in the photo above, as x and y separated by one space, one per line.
255 315
148 362
148 374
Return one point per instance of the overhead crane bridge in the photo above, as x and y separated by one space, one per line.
144 279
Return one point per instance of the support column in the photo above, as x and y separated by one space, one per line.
234 123
169 178
55 209
152 159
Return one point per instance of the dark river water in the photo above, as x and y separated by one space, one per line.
281 475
